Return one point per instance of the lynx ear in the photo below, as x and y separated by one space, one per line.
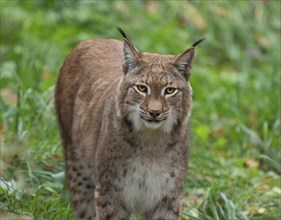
131 54
183 62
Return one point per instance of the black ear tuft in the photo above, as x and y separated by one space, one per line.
122 32
198 42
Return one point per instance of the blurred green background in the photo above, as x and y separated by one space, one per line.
235 125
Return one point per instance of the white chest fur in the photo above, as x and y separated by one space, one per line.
145 184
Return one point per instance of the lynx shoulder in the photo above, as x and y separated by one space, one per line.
123 118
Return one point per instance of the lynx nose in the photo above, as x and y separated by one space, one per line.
154 113
154 108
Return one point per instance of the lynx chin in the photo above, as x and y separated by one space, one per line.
123 117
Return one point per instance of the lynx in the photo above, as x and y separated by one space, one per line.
123 116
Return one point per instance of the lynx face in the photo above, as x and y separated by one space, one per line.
154 92
157 96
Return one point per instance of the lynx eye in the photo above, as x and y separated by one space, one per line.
141 88
170 91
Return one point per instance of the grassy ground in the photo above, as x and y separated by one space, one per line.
235 127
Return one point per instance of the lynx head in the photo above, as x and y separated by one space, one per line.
154 92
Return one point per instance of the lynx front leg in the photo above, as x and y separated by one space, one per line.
108 206
82 190
167 209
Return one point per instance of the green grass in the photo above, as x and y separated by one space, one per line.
234 169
